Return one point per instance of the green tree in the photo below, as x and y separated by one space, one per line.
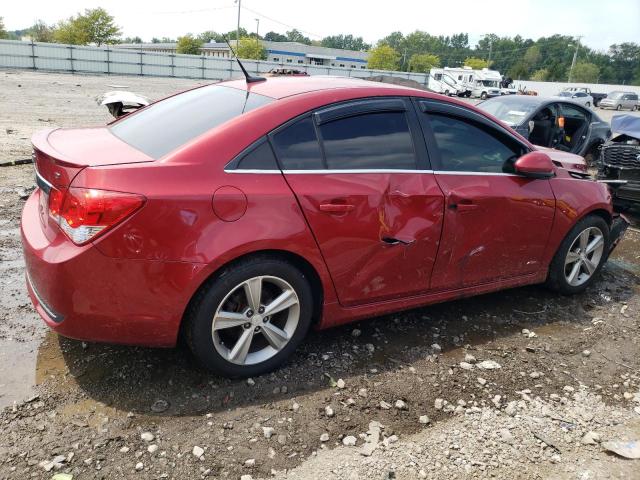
3 32
346 42
585 72
275 37
188 44
297 36
540 75
41 32
95 25
135 39
383 57
69 31
251 48
476 63
423 62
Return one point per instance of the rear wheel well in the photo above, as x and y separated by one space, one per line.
294 259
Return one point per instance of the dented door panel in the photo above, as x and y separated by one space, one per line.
495 227
378 232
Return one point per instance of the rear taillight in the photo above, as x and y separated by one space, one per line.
84 213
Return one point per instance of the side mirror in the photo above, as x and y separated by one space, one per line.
535 165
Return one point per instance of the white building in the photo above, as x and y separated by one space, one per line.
288 54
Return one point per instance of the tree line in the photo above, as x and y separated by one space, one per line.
544 59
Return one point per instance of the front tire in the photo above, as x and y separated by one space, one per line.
580 256
483 96
250 318
588 105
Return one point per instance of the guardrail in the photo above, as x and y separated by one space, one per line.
119 61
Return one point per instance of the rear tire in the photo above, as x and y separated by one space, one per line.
588 105
229 327
580 256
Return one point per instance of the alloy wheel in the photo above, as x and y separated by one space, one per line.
255 320
584 256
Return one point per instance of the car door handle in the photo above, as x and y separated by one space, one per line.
463 207
336 207
396 241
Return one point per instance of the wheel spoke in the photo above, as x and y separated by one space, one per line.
590 266
276 337
253 291
575 271
596 244
239 352
572 257
228 320
584 240
283 301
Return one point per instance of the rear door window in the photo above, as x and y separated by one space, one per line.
380 140
170 123
297 147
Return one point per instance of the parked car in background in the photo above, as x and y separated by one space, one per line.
620 100
597 97
240 214
581 98
552 122
620 161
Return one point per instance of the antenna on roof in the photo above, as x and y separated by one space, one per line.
248 78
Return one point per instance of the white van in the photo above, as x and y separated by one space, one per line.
486 83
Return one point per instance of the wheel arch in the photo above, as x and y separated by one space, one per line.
298 261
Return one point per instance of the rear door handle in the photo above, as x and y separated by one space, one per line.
336 207
461 204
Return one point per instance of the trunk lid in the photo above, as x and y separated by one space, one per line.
60 154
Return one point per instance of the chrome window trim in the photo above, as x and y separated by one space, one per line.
365 170
42 182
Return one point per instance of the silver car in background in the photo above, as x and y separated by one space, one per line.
620 100
582 98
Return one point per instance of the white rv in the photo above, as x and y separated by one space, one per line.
486 83
463 76
441 82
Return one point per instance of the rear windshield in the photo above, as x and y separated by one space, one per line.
168 124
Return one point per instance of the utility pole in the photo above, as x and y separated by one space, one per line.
575 57
490 50
257 30
238 28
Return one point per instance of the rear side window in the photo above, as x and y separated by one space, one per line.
370 141
168 124
297 146
466 146
260 158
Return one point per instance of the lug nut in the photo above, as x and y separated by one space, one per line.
247 325
265 319
249 313
257 329
261 310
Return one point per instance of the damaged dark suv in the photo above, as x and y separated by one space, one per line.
619 164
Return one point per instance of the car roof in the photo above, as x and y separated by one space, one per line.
281 87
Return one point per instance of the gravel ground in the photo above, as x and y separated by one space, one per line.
411 390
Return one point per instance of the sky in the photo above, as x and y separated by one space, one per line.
600 23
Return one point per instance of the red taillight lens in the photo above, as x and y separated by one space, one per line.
83 213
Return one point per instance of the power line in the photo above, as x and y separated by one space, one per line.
311 34
179 12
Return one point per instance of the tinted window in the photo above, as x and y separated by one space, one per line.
297 146
465 146
168 124
371 141
260 158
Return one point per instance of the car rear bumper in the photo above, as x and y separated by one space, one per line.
83 294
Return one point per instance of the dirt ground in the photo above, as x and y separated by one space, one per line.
415 398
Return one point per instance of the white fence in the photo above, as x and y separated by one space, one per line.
547 89
108 60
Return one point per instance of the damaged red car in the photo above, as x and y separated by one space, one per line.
241 214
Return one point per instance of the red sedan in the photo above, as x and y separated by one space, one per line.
240 214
